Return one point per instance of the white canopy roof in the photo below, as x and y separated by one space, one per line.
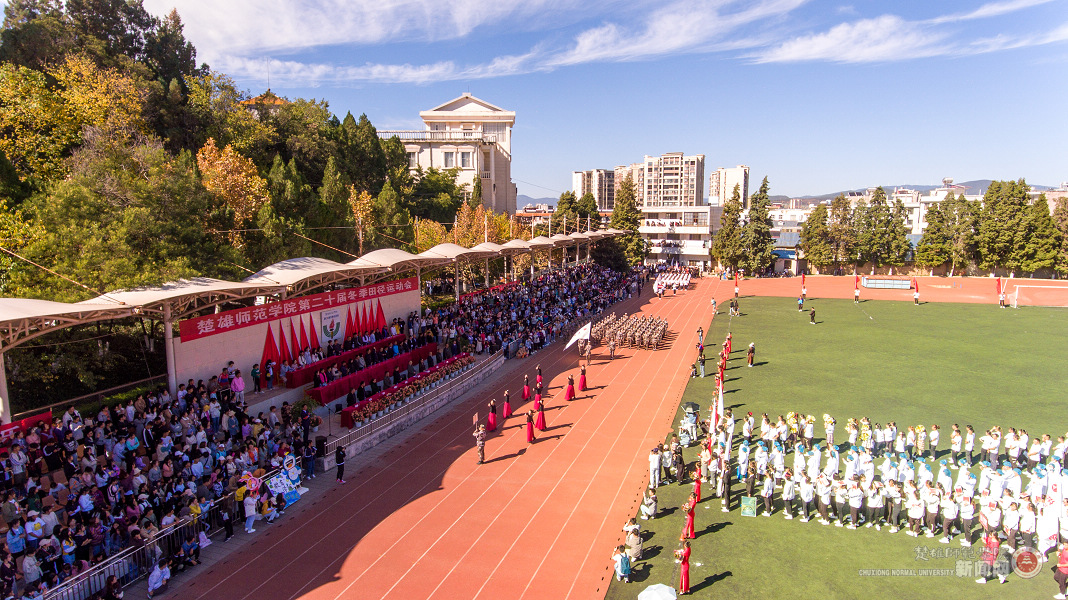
184 295
518 245
562 240
22 319
453 252
541 242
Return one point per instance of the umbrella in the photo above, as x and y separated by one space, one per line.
658 591
691 407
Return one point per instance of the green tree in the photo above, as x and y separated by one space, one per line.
757 243
1060 219
586 210
1043 240
935 247
875 235
1000 236
393 224
815 239
841 232
900 247
436 195
960 216
476 191
398 172
727 243
36 34
128 215
625 217
122 25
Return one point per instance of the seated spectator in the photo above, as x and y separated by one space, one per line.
160 577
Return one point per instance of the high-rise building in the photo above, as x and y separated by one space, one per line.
636 172
721 185
599 182
674 179
676 220
470 135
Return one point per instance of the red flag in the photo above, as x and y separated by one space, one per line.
802 280
363 319
916 283
296 340
999 286
303 336
381 320
283 352
270 352
314 336
856 283
736 279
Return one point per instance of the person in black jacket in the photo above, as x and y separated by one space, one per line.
339 458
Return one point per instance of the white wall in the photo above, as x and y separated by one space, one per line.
204 357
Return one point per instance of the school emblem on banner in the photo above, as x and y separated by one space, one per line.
332 327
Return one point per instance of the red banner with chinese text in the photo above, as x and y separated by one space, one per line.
199 327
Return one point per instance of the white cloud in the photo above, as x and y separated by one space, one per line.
244 27
993 9
287 73
885 38
679 27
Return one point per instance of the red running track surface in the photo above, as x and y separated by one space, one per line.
535 521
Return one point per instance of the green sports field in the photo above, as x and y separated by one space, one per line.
942 364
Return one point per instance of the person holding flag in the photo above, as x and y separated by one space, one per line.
804 290
856 289
1001 294
916 293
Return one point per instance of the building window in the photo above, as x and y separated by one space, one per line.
413 161
465 160
450 160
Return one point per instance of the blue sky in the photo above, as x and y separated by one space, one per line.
819 96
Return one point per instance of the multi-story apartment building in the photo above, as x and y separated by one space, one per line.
599 182
676 220
721 184
470 135
637 175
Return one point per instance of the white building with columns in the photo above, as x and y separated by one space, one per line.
471 135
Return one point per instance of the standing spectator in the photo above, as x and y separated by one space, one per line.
256 379
339 458
480 442
750 354
309 460
250 512
237 386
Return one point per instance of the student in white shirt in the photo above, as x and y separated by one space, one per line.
950 509
788 494
967 519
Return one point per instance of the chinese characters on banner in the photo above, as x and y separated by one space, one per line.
199 327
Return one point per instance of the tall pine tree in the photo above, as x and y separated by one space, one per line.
815 239
756 235
1043 240
935 245
1000 233
727 245
625 217
841 232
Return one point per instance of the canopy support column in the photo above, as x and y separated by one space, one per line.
456 288
168 348
5 400
487 274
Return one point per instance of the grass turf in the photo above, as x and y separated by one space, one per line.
969 364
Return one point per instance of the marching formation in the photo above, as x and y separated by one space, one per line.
635 331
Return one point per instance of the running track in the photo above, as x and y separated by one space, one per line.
535 521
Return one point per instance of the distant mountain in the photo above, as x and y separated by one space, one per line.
522 200
977 186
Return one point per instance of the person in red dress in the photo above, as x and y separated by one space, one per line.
526 388
537 395
582 378
506 410
683 554
537 381
491 418
530 426
688 508
697 485
540 423
570 394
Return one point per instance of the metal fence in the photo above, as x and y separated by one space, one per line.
384 422
133 564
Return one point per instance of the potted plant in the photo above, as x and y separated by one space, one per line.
309 403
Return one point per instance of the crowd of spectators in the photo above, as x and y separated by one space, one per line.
85 487
531 313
